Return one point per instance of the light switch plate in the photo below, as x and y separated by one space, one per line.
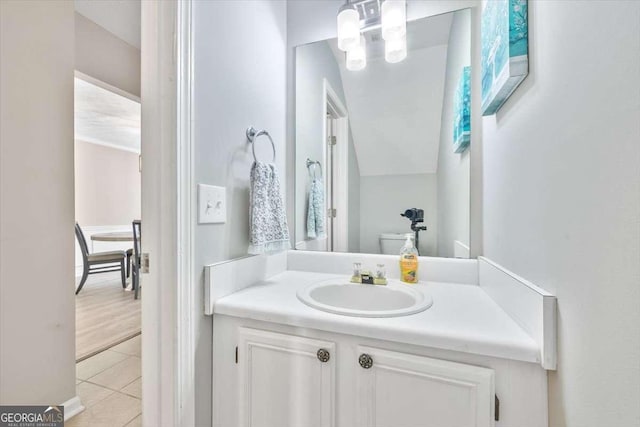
212 204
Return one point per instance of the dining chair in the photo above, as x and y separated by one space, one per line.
99 262
137 249
129 255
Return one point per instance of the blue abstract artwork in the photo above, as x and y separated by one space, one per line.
462 112
505 48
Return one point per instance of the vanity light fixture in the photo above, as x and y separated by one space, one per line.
348 27
395 50
357 56
358 16
393 15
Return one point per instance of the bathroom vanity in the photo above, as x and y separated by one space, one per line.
467 360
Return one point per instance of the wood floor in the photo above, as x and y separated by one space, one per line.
106 315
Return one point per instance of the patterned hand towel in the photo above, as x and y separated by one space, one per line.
315 211
268 232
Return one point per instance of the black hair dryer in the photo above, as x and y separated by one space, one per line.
416 216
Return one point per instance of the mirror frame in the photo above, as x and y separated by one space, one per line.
415 11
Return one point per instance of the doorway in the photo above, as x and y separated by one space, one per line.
336 159
107 208
107 202
331 211
108 199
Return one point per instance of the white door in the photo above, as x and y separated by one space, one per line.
336 157
403 390
285 380
330 181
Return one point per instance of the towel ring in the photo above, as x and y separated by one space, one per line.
310 164
253 134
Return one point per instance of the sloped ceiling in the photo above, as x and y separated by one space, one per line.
106 118
395 109
119 17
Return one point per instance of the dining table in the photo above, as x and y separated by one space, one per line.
113 236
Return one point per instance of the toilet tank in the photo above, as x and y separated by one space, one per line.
391 243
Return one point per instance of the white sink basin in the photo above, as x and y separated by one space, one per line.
349 299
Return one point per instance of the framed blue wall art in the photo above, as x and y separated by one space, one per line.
505 51
462 112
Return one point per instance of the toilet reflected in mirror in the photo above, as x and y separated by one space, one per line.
382 152
391 243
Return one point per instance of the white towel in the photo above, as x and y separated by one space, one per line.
315 210
269 232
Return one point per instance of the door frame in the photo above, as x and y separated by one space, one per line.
168 303
331 103
186 305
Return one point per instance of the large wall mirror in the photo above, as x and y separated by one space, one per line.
382 151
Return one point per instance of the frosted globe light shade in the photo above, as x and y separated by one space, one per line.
357 57
394 19
348 28
395 50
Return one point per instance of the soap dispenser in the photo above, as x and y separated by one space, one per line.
409 261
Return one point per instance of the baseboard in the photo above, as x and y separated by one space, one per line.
72 407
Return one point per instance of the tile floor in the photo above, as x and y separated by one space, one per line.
110 387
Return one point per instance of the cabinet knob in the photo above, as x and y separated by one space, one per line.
365 361
323 355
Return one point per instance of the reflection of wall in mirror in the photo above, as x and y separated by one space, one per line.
383 198
453 169
395 112
316 62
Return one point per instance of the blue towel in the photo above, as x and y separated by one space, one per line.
315 212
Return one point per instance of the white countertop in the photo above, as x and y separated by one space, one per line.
463 317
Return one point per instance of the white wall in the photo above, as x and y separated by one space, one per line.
37 321
240 77
122 17
107 185
384 198
562 200
102 55
453 168
396 110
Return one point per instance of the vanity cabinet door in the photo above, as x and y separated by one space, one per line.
285 380
402 390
